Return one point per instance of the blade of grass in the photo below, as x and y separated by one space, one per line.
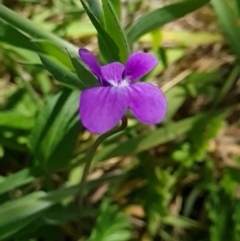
227 85
61 74
111 50
117 8
17 179
84 74
162 16
114 29
96 9
154 138
30 28
229 22
20 40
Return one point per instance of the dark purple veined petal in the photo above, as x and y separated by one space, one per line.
139 64
147 103
113 72
91 61
101 108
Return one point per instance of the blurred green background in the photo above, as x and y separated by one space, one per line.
179 180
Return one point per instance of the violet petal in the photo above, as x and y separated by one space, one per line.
101 108
91 61
113 72
147 103
139 64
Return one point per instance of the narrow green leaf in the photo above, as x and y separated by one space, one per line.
238 7
17 179
31 29
163 56
19 40
22 56
229 23
53 50
84 74
15 120
234 75
162 16
141 143
22 208
11 229
181 222
96 9
221 208
152 139
19 213
111 224
1 155
57 127
109 47
45 117
117 8
60 73
114 29
176 95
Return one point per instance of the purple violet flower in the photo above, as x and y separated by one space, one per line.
103 106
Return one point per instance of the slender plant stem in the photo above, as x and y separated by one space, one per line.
227 85
90 154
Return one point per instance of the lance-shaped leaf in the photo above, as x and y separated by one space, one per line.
30 29
86 76
7 32
57 126
114 29
108 46
229 23
61 74
162 16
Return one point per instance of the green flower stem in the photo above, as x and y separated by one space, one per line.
227 85
90 154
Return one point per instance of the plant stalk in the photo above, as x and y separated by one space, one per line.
90 154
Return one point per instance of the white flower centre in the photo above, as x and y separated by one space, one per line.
122 83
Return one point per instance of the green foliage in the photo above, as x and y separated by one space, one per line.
108 47
145 142
175 181
111 225
19 40
228 19
114 29
29 28
16 180
19 213
83 74
203 130
60 73
161 16
57 127
223 212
